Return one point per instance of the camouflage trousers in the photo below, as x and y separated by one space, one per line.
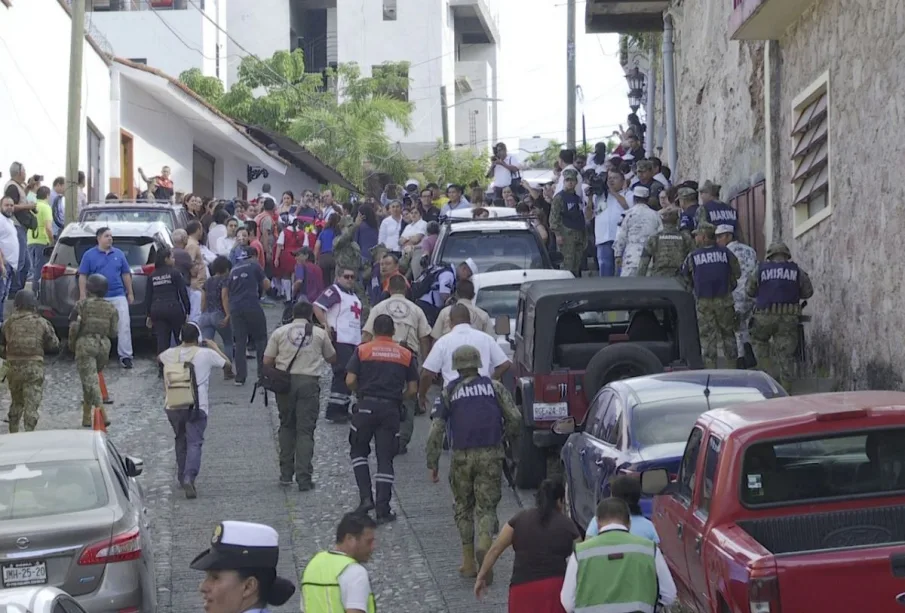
574 246
474 476
26 388
407 427
92 353
717 324
774 338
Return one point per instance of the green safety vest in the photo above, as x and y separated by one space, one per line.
320 584
617 573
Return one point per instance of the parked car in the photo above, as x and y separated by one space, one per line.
59 277
72 516
494 245
638 424
174 216
573 336
38 600
786 505
495 212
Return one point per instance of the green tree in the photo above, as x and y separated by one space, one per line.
547 158
464 166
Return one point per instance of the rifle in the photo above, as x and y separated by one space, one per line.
509 472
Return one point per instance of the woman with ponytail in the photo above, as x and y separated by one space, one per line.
542 538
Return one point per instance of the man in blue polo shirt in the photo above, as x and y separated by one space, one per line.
107 260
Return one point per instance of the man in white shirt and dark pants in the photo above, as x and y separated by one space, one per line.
9 251
608 212
391 228
504 169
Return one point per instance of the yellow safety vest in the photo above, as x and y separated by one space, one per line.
320 584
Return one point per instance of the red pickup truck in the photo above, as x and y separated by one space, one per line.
792 505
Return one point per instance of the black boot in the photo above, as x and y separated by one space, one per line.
367 504
385 517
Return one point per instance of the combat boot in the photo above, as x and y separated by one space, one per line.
367 504
86 415
468 568
484 543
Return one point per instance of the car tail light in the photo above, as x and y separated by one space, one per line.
50 272
121 548
146 270
763 595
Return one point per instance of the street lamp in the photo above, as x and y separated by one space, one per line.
636 79
634 99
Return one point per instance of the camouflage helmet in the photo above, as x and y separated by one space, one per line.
669 215
25 300
705 229
778 249
96 285
466 357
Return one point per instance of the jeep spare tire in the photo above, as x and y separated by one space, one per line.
619 362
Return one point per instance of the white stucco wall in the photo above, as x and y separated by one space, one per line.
479 74
487 54
260 26
33 83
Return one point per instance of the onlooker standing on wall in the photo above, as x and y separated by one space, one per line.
40 238
107 260
198 272
9 250
22 219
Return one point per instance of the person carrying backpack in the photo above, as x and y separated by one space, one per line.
186 376
433 288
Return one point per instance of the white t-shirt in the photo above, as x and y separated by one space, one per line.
354 587
413 229
205 360
607 215
440 357
502 176
216 232
225 245
9 241
389 233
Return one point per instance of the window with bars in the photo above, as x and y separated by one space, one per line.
810 155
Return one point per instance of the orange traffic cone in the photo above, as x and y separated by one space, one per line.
105 395
97 420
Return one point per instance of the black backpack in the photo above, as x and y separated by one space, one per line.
424 284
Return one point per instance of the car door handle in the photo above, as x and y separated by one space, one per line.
679 530
697 545
599 461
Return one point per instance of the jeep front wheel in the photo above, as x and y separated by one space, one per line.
531 468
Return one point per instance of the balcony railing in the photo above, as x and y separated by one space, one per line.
142 5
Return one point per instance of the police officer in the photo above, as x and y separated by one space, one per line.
92 327
480 413
241 569
777 288
569 217
714 272
381 372
412 332
167 301
687 198
302 350
24 339
244 288
715 212
668 248
339 311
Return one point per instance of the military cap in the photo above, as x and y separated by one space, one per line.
778 249
570 173
644 165
25 300
708 230
687 193
669 215
711 188
96 285
724 229
641 192
466 357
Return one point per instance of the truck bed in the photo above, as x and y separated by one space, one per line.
831 530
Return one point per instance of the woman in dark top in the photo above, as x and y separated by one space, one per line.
367 231
214 316
167 300
543 539
323 248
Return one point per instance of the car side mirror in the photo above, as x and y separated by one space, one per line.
556 258
48 251
502 326
654 481
566 425
134 466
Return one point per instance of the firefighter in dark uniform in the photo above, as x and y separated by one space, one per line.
380 373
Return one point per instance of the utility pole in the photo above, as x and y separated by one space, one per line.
570 75
444 109
584 126
74 125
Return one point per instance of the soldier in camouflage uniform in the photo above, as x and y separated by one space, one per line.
481 414
668 248
347 255
778 287
747 260
716 212
639 223
24 339
92 327
569 218
714 272
688 202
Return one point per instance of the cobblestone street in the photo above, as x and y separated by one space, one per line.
416 561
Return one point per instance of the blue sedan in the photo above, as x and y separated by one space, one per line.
641 423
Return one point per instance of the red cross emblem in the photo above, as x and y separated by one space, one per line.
357 310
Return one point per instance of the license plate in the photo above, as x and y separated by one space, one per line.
546 411
24 573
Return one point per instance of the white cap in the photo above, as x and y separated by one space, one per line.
412 182
725 229
641 192
247 534
472 266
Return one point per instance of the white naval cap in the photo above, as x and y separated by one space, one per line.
412 182
240 544
472 266
641 192
724 229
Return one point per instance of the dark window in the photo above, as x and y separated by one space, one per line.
95 152
389 10
710 462
139 60
597 412
138 251
689 464
41 489
499 300
166 216
612 423
493 251
118 466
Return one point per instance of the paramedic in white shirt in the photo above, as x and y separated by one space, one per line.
391 228
494 362
608 212
503 169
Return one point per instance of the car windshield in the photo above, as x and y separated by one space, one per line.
138 250
36 489
670 421
833 466
494 250
137 215
500 300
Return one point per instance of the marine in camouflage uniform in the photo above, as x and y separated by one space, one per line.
744 306
92 327
481 414
668 248
778 286
638 224
347 255
569 218
713 272
715 212
24 339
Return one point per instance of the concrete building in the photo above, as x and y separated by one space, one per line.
133 116
795 107
452 47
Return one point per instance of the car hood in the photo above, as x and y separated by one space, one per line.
662 451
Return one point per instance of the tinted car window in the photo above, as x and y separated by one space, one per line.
669 421
612 423
711 459
501 300
38 489
689 463
491 249
597 411
139 215
138 250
